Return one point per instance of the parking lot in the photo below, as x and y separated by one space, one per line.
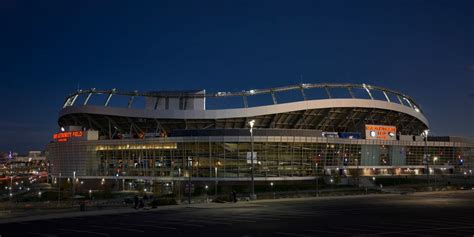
425 214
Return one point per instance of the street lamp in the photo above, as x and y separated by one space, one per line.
179 184
73 186
434 170
252 195
59 189
190 171
273 192
11 185
215 182
317 181
90 194
425 155
357 171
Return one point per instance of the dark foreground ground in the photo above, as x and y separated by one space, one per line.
428 214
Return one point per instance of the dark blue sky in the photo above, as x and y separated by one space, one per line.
47 48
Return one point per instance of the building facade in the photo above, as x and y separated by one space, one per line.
173 135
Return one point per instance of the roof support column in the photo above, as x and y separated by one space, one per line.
386 96
73 100
274 97
87 98
66 104
327 92
108 100
246 105
351 92
156 103
368 91
409 103
302 93
399 99
130 101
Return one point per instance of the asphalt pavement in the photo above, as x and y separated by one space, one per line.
421 214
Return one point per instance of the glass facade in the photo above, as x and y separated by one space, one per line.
228 157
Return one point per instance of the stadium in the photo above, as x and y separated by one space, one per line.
293 133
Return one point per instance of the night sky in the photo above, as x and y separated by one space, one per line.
50 48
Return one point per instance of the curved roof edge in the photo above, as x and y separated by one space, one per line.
243 112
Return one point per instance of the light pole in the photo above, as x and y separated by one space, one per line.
252 195
317 181
11 185
357 172
434 170
179 184
190 169
470 175
273 192
116 181
425 155
59 189
215 182
73 186
49 173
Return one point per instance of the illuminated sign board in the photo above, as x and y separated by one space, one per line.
380 132
65 136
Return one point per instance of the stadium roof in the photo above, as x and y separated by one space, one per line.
362 104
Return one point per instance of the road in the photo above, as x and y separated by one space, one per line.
428 214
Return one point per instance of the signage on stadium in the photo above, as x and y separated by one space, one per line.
64 136
380 132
